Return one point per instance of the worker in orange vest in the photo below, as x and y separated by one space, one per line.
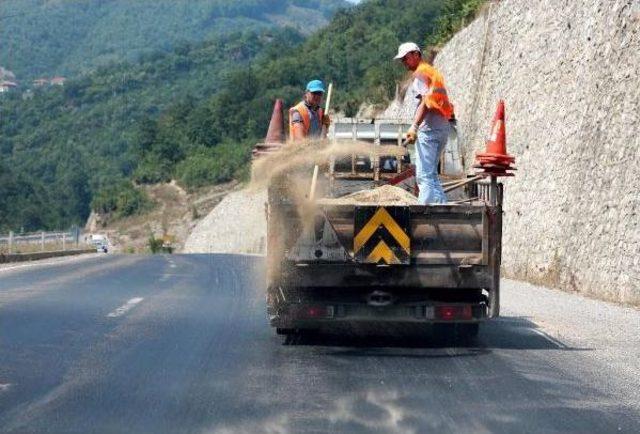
307 118
431 121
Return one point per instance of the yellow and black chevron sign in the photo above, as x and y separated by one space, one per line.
381 235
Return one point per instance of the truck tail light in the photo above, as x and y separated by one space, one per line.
315 312
452 313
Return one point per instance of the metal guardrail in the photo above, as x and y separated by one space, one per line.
40 241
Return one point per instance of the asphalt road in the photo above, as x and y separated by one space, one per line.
180 344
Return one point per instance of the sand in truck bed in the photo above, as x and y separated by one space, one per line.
387 195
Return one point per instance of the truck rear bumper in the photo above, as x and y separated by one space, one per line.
312 316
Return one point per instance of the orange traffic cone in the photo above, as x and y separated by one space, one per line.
496 161
276 125
275 134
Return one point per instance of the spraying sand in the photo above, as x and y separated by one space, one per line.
302 156
292 166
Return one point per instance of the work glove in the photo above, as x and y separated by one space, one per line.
412 135
453 121
326 120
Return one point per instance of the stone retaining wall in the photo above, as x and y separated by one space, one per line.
569 72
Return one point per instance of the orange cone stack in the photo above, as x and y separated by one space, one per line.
276 125
495 161
275 134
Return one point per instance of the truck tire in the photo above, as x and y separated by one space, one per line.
284 332
300 336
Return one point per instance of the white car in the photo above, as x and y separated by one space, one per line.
100 242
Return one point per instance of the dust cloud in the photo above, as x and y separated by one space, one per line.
297 157
290 170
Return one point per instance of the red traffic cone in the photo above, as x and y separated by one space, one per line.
275 134
496 161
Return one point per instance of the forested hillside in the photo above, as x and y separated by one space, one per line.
192 114
65 145
44 37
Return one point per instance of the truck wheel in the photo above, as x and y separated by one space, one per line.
301 336
284 332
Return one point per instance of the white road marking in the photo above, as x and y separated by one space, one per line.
125 307
42 263
4 387
166 276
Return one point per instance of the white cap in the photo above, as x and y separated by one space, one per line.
406 48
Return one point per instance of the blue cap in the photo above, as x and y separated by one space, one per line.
315 86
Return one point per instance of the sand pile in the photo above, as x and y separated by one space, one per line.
383 195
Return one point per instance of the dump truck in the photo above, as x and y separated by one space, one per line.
347 255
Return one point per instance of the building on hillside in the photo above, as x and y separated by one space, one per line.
58 81
6 86
39 82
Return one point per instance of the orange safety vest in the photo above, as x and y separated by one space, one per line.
436 98
302 108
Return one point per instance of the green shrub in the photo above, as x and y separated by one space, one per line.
152 170
213 166
121 200
454 16
154 244
157 245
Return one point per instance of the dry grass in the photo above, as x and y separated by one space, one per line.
174 214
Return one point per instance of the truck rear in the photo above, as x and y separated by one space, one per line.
364 251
